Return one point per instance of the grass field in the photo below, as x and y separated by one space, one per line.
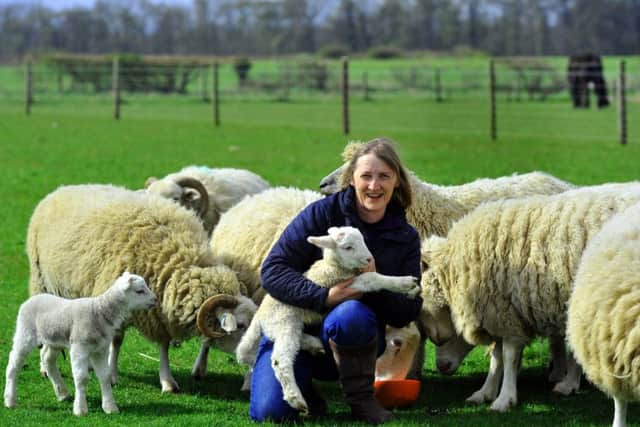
72 139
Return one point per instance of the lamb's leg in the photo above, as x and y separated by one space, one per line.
114 354
49 357
489 389
80 370
43 364
285 349
558 363
311 344
199 369
571 382
620 414
372 282
100 362
168 384
21 349
511 353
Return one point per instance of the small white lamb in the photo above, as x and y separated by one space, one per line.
86 326
344 255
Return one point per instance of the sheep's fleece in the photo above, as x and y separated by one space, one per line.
81 238
506 268
602 326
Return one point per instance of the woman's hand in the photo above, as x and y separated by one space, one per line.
341 292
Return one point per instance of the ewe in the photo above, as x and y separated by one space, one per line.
81 237
504 274
344 255
86 326
602 324
208 191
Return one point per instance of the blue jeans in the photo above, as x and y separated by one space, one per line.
349 324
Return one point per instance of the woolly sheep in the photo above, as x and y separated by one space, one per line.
504 274
223 188
345 254
602 324
86 326
81 237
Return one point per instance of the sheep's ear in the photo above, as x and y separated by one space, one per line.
350 149
150 181
322 241
336 233
429 246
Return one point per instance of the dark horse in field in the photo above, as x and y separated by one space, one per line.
582 70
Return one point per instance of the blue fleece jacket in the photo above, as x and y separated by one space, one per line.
394 243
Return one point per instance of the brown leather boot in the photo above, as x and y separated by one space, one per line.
356 367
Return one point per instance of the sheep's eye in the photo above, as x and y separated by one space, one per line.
348 248
140 291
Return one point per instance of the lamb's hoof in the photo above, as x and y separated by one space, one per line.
9 403
110 409
502 405
81 411
113 380
65 397
299 405
170 386
479 397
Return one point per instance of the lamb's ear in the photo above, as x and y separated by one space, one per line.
150 181
322 241
336 233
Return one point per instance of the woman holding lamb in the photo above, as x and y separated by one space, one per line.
374 196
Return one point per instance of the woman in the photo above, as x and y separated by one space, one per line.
375 193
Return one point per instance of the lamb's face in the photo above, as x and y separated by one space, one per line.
351 251
139 296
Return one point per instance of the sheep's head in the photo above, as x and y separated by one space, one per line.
451 354
345 246
224 318
187 191
397 359
331 183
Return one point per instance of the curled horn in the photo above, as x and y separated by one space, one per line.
209 307
189 182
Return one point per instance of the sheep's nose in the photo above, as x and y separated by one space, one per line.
396 342
444 367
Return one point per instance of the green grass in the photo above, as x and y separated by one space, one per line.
73 139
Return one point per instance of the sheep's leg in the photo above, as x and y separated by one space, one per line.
372 282
620 413
285 349
80 370
199 369
49 357
558 363
489 389
21 349
511 353
43 364
114 354
100 362
311 344
571 382
168 384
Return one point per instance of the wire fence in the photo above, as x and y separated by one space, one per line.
506 86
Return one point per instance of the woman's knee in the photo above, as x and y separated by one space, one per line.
350 323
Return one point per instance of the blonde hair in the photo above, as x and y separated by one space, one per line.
385 150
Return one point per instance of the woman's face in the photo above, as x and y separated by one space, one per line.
374 182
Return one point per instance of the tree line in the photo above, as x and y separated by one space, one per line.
277 27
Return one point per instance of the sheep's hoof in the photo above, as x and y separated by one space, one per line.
170 386
478 397
9 403
110 409
502 405
65 398
565 388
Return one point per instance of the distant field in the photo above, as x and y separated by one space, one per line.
72 139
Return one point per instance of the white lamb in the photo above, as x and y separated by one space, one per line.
602 324
223 188
86 327
504 273
344 255
81 237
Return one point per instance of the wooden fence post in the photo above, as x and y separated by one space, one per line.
28 87
492 97
438 86
116 87
365 86
622 104
215 95
203 83
345 95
